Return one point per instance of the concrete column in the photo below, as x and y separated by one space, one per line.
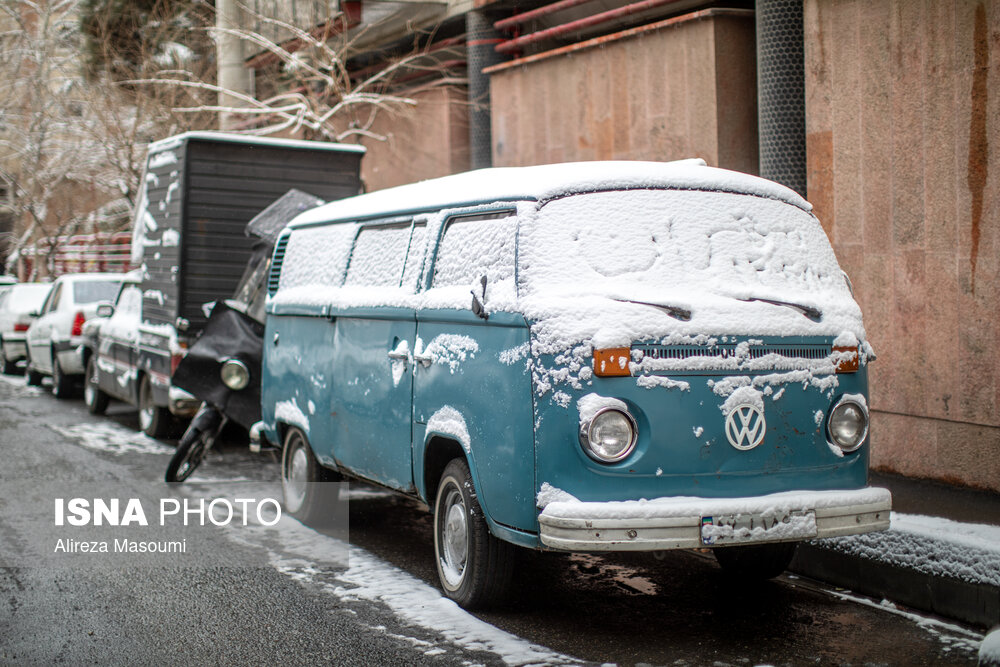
481 38
781 92
232 75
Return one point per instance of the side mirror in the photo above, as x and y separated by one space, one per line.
478 306
105 310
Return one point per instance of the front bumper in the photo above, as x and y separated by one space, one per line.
679 523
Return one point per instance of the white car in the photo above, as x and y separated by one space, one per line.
16 305
55 335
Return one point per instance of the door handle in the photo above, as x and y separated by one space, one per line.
424 359
399 356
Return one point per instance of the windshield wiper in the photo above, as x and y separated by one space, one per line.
812 313
676 312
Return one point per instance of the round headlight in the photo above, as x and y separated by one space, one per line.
235 374
848 425
610 436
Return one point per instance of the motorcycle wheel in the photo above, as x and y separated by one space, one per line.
190 452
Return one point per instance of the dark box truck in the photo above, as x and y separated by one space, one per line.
200 189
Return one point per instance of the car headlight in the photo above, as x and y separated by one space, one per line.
609 436
235 374
847 425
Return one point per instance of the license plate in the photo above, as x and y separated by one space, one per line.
748 528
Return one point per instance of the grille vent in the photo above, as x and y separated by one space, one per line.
279 257
721 353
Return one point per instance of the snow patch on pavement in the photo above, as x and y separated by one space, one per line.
414 601
112 438
932 545
950 634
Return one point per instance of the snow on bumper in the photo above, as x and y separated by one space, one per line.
686 523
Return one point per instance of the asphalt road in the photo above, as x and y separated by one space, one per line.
286 594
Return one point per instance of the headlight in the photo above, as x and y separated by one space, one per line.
610 436
848 424
235 374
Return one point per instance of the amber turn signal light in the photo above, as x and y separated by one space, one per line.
849 360
612 362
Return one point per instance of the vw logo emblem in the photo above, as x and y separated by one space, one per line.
745 427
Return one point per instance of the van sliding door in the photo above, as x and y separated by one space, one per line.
372 384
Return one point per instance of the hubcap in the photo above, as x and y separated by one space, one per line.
296 477
454 537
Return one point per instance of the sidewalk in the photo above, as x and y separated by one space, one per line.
941 555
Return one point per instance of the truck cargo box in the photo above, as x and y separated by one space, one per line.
201 189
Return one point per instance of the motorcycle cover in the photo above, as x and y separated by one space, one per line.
229 334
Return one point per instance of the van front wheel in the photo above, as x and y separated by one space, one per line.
474 567
756 562
305 495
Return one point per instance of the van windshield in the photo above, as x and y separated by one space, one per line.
654 246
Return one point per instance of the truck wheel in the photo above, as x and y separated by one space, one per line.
96 400
475 568
155 421
63 386
755 562
306 486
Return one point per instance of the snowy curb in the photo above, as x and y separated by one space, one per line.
932 564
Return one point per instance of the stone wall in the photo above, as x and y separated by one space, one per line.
681 88
903 135
428 140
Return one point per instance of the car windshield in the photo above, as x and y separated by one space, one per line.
26 298
649 246
91 291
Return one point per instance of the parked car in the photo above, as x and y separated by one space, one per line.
54 336
16 305
598 356
111 356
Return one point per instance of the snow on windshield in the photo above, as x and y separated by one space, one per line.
644 244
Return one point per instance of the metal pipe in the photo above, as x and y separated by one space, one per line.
580 24
518 19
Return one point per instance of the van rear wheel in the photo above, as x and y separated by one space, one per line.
305 484
756 562
475 568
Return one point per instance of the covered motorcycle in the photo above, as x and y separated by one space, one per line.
222 368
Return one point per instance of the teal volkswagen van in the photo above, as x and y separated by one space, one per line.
600 356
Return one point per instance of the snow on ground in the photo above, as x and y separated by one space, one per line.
933 545
112 438
368 578
950 634
18 381
989 650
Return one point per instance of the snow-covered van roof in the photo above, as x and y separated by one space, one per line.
544 182
227 137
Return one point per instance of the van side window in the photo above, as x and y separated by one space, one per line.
378 256
413 268
317 256
476 246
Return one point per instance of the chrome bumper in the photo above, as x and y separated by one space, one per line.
677 523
